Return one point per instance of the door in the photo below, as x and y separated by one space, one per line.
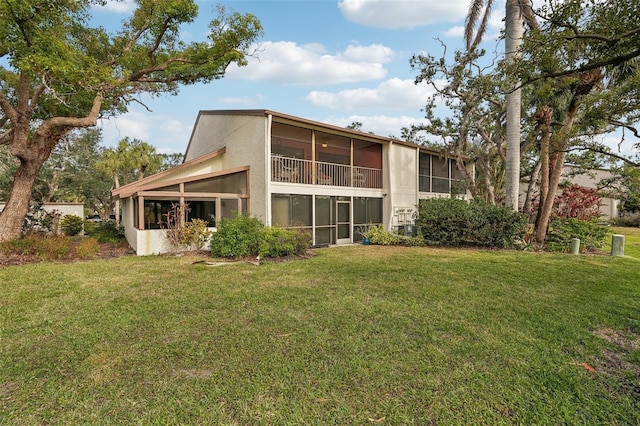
343 214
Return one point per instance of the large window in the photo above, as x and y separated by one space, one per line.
291 211
439 174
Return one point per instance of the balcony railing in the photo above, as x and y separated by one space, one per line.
294 170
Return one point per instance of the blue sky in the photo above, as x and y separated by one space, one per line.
326 60
333 61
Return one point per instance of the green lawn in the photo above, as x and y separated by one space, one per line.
359 335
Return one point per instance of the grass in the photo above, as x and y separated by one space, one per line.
356 335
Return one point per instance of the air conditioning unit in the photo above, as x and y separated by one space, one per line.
408 230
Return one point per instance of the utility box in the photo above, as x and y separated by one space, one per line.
407 230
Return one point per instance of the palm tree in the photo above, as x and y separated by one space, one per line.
517 12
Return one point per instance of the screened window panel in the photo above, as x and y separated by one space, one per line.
324 211
301 213
229 208
280 214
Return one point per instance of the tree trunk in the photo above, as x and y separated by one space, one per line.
17 206
513 40
544 214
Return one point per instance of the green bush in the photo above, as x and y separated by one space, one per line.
591 233
378 235
444 221
195 233
495 226
71 225
454 222
278 242
89 227
237 237
107 232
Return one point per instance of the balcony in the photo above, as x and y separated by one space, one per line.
294 170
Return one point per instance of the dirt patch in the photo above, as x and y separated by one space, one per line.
625 340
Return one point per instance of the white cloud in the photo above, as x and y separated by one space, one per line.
118 6
382 125
164 132
243 101
402 13
290 63
391 94
457 31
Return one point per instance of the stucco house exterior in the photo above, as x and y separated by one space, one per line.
291 172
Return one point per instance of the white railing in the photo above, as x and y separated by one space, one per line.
294 170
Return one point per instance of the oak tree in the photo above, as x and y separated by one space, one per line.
58 73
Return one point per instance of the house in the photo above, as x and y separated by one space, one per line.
287 171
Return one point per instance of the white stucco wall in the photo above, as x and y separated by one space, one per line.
64 209
245 139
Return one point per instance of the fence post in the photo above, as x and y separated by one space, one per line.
617 245
575 246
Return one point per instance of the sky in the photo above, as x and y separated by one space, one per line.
332 61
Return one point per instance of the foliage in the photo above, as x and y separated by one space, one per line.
280 242
627 219
592 234
575 201
380 236
578 202
39 220
495 226
50 86
237 237
51 247
454 222
71 225
106 232
443 221
630 189
195 234
87 248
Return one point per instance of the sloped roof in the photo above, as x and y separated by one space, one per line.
150 181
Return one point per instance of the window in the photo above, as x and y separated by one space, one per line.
204 210
291 210
155 212
424 172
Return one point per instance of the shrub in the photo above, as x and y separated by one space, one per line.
561 230
495 226
89 227
277 242
627 219
107 232
38 220
378 235
454 222
51 247
87 248
195 234
443 221
237 237
71 225
24 245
